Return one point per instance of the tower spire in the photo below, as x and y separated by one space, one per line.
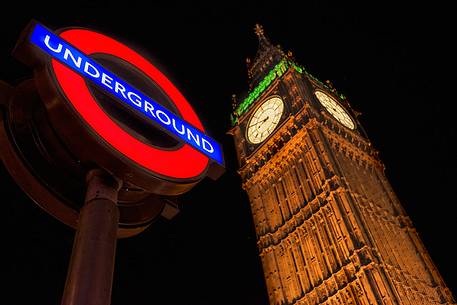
263 40
267 56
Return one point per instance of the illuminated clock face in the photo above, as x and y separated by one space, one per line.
265 119
335 109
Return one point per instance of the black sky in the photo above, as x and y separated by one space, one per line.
393 63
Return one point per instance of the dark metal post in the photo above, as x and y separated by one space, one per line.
90 274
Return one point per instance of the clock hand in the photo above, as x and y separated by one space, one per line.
252 125
259 122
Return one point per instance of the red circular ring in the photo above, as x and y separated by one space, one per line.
182 163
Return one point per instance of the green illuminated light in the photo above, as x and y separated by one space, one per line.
274 73
277 71
297 68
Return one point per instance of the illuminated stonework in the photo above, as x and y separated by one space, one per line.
330 229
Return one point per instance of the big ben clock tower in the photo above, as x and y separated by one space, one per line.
329 227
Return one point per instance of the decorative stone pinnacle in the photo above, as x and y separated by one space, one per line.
234 101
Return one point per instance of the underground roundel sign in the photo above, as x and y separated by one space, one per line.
124 103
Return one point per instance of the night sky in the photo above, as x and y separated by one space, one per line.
393 63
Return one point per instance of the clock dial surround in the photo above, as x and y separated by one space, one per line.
335 109
264 120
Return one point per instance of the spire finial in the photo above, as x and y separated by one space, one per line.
263 40
259 30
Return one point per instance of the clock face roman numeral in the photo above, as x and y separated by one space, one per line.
264 120
335 109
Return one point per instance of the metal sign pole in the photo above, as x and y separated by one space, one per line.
53 120
90 274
